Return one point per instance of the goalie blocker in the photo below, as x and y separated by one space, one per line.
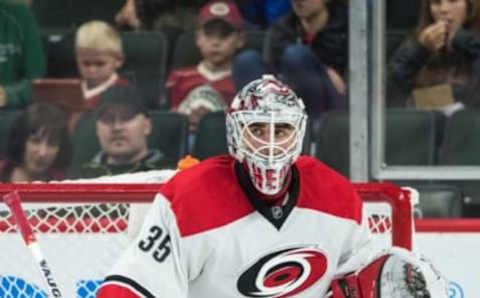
395 275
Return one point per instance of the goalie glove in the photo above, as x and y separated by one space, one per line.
397 275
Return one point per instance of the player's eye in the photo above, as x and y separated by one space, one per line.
279 133
283 130
257 131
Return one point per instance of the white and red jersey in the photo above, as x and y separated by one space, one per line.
209 235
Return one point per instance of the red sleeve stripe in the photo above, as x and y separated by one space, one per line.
122 287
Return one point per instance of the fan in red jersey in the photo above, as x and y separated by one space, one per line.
262 222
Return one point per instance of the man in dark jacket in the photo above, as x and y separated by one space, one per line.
123 126
309 49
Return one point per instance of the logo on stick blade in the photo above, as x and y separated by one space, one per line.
283 273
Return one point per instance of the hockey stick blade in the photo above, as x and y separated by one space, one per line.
12 200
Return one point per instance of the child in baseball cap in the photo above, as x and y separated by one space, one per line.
222 10
220 33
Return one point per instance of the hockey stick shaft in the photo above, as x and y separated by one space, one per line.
12 200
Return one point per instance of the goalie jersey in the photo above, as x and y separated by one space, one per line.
207 234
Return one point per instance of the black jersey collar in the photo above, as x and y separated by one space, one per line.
276 215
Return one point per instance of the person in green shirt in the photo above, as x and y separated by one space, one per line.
22 56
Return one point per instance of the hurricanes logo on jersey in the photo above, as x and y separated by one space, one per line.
283 273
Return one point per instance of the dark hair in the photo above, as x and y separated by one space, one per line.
119 95
428 74
426 18
218 27
51 121
149 10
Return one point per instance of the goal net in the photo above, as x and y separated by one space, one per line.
83 229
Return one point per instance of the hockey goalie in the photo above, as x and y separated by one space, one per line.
263 222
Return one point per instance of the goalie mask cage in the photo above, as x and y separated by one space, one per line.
82 231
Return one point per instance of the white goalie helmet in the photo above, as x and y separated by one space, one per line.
267 155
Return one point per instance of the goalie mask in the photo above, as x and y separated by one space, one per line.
265 129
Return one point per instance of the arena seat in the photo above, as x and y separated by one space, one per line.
7 118
60 52
410 138
69 14
461 144
84 141
88 10
211 137
169 133
146 60
402 15
52 14
461 147
439 201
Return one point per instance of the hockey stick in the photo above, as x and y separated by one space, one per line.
12 200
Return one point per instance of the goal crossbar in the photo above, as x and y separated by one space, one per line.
83 192
398 198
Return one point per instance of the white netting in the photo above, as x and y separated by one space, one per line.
388 213
378 218
82 241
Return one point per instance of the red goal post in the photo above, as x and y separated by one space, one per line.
398 199
68 216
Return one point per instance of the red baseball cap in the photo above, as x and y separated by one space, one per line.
223 10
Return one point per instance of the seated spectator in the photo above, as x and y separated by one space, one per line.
39 147
99 54
437 67
21 54
308 49
123 126
219 36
